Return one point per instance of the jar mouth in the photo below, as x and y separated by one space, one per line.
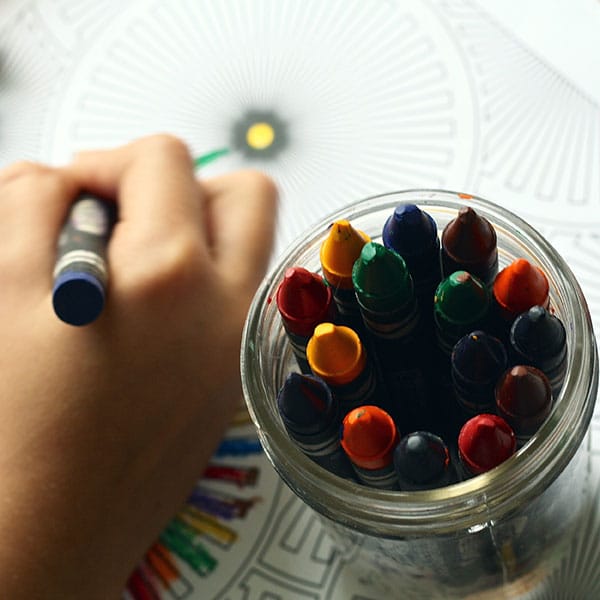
462 505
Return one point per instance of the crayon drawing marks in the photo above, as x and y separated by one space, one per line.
225 518
290 90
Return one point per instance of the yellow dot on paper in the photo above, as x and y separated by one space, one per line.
260 136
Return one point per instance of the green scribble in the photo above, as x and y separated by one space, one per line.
209 157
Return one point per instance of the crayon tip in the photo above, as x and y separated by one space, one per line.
303 300
524 398
335 353
461 298
305 403
410 231
421 458
369 437
479 356
469 237
519 286
484 442
380 274
339 251
539 335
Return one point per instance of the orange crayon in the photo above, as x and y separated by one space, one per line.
338 254
518 287
369 438
336 354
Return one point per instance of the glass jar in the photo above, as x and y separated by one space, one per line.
495 535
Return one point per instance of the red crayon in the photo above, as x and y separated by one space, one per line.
304 301
523 399
518 287
469 243
484 442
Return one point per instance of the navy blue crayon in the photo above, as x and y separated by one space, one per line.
81 270
422 462
477 361
538 338
412 233
312 419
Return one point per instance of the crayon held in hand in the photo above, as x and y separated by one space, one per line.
523 400
369 437
422 462
484 442
81 270
469 243
304 301
312 419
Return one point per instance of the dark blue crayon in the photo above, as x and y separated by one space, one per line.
477 361
81 271
311 416
412 233
422 462
392 317
538 338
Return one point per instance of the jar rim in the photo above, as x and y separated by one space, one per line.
458 506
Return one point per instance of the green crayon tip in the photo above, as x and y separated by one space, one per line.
381 278
461 299
209 157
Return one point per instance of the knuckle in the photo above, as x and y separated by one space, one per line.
21 168
166 144
260 184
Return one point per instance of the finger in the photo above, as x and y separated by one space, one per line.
34 203
241 214
152 179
